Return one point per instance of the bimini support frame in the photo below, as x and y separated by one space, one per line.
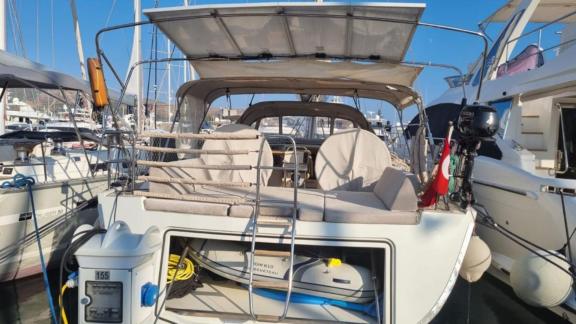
284 15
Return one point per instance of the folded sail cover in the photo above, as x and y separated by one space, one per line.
291 29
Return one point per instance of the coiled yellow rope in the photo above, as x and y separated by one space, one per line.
185 273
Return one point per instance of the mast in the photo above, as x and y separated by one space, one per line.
79 47
2 47
168 45
185 63
135 84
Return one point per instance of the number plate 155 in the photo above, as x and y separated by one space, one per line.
102 275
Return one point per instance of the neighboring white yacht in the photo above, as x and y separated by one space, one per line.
349 244
527 181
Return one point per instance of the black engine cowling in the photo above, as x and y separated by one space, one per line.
478 122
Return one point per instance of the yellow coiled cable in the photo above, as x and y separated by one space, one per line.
185 273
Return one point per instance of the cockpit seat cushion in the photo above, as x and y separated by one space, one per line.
396 190
253 146
186 207
363 208
393 201
278 201
185 168
351 160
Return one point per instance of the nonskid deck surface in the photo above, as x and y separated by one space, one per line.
228 299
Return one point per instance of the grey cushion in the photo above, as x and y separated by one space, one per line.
363 208
278 201
396 191
186 207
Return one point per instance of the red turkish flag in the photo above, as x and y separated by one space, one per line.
439 186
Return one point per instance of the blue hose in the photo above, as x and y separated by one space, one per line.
21 181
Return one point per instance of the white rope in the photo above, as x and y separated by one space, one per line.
196 182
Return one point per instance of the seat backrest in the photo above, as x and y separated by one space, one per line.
185 168
351 160
396 191
244 159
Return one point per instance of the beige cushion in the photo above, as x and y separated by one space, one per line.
351 160
183 168
363 208
179 170
186 207
278 201
240 159
396 191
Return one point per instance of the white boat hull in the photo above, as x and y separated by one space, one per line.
19 256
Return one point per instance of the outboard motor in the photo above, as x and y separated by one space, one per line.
477 124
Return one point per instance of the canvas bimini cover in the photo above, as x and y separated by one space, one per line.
18 72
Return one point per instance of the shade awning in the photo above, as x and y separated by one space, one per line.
547 11
374 31
208 90
18 72
390 74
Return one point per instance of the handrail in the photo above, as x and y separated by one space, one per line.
191 151
566 166
196 182
213 136
539 29
255 231
542 27
200 166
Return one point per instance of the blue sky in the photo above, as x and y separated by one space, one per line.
48 34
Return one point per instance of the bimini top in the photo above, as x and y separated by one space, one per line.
547 11
207 90
371 31
18 72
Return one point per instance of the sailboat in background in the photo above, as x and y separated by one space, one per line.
62 154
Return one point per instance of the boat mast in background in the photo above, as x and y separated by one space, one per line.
78 36
3 48
135 84
186 63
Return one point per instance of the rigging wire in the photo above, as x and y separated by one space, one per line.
52 47
489 222
37 48
16 29
109 16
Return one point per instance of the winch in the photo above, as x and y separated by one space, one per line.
111 268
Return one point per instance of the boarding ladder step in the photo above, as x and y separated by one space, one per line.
290 230
272 253
276 221
278 284
267 318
